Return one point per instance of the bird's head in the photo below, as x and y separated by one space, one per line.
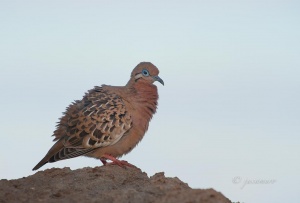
145 72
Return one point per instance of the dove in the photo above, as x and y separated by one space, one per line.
109 121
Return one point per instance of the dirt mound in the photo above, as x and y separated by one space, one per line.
103 184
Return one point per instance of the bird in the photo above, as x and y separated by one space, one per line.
109 121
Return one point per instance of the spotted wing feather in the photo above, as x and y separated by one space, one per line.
100 119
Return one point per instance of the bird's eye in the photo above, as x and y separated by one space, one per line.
145 72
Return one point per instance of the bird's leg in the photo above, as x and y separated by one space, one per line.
115 161
103 161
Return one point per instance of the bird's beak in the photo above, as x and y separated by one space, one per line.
156 78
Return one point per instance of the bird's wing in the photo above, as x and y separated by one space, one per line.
99 120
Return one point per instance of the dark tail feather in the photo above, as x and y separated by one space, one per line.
41 163
59 152
53 150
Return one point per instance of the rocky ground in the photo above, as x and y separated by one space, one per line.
103 184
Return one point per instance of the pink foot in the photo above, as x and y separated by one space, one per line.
115 161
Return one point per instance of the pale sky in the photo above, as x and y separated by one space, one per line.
229 107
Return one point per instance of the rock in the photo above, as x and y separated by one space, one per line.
103 184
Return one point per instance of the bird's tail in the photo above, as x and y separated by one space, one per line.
54 150
41 163
60 152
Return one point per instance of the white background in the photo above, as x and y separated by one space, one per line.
229 107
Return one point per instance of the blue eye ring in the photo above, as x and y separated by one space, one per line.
145 72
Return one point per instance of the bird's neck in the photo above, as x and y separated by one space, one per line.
145 97
141 97
143 100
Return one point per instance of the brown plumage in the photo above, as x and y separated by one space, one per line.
109 121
